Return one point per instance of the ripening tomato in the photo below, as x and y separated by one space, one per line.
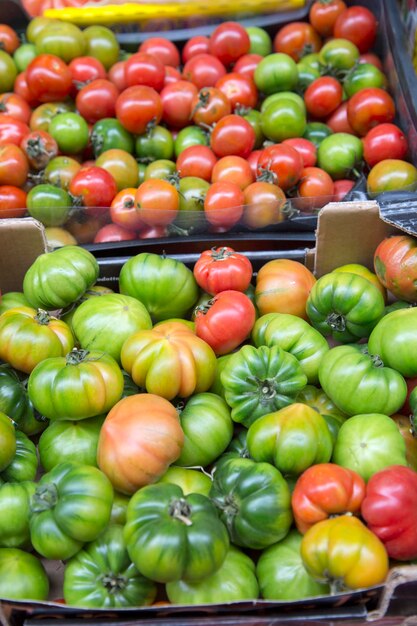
233 134
209 105
123 210
196 161
143 68
359 25
264 205
314 190
222 268
323 15
228 42
233 169
14 166
84 70
14 105
164 49
21 88
49 78
157 202
223 204
39 148
113 232
385 141
297 39
95 189
9 40
247 64
12 201
137 106
368 108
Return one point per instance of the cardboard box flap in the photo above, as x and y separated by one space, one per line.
21 241
399 211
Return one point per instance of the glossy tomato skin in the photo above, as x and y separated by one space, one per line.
232 135
96 100
14 105
12 130
314 190
138 105
95 188
14 166
164 49
85 69
359 25
113 232
142 68
199 44
220 269
223 204
305 148
49 78
233 169
369 107
102 44
209 106
395 263
284 162
264 205
203 70
49 204
157 202
8 72
122 166
24 575
225 321
296 39
247 64
391 175
341 188
70 131
228 42
323 96
178 103
238 89
323 15
338 120
40 147
12 201
283 119
339 154
123 210
385 141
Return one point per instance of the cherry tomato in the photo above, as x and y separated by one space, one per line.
164 49
223 204
338 120
61 170
253 159
9 40
14 166
172 75
153 232
264 204
306 149
93 188
385 141
39 148
70 131
197 161
323 96
21 88
84 70
49 78
137 106
297 39
12 201
314 190
117 75
97 100
177 102
357 24
123 210
238 89
368 108
247 64
323 15
203 70
113 232
157 202
145 69
233 169
282 164
228 42
391 175
8 72
12 130
232 135
371 57
14 105
199 44
209 105
102 44
341 187
43 115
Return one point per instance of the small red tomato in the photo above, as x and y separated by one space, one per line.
238 89
233 169
323 96
233 134
49 78
203 70
172 75
209 105
177 103
94 188
247 64
16 106
12 130
314 190
368 108
357 24
12 201
338 120
123 210
228 42
97 100
157 202
199 44
222 268
282 164
196 161
117 75
296 39
84 70
341 188
223 204
306 149
113 232
323 15
137 106
264 205
164 49
385 141
145 69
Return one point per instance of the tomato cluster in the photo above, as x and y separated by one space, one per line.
234 130
207 434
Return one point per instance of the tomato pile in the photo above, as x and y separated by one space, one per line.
207 434
235 130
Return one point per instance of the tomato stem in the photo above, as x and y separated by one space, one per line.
76 356
42 317
114 583
337 322
180 510
44 498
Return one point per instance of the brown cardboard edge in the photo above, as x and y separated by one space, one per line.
22 240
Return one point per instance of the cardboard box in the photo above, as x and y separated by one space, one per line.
346 233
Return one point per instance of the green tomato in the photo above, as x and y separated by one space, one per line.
10 300
283 95
170 536
254 502
344 306
190 136
102 575
294 335
208 429
109 134
317 132
8 72
70 131
306 75
254 117
165 286
339 154
119 508
190 480
24 465
234 581
105 323
59 278
276 72
15 402
283 119
23 55
217 386
339 54
22 576
49 204
62 39
192 192
281 573
358 382
368 443
102 44
394 341
363 76
318 400
292 439
311 61
14 514
260 41
161 168
156 143
67 440
7 441
71 506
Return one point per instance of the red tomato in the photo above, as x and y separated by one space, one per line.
314 190
157 202
123 210
199 44
371 57
338 120
14 105
14 166
177 102
305 148
368 108
323 15
232 135
39 148
196 161
282 164
390 510
164 49
247 64
264 204
222 268
323 96
152 232
117 75
357 24
94 189
21 88
341 188
9 40
203 70
137 106
253 159
238 89
12 201
223 204
84 70
325 490
97 100
209 105
145 69
385 141
225 321
233 169
12 130
297 39
172 75
113 232
228 42
49 78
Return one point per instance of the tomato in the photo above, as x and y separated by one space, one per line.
283 163
339 154
338 120
9 40
362 270
85 69
203 70
61 170
40 147
12 130
247 64
316 132
260 41
49 78
172 75
8 441
94 188
395 266
391 175
164 49
223 204
96 100
117 75
323 15
238 89
222 268
12 201
368 108
359 25
123 210
108 134
190 136
14 516
196 161
8 72
70 131
135 458
44 113
371 57
14 105
49 204
161 169
21 89
323 96
363 76
264 205
343 552
339 54
262 512
368 443
156 143
198 44
283 119
122 166
14 166
228 42
341 188
177 102
396 353
62 39
137 106
283 286
314 190
209 105
276 72
143 68
157 202
306 149
102 44
233 169
24 577
297 39
385 141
